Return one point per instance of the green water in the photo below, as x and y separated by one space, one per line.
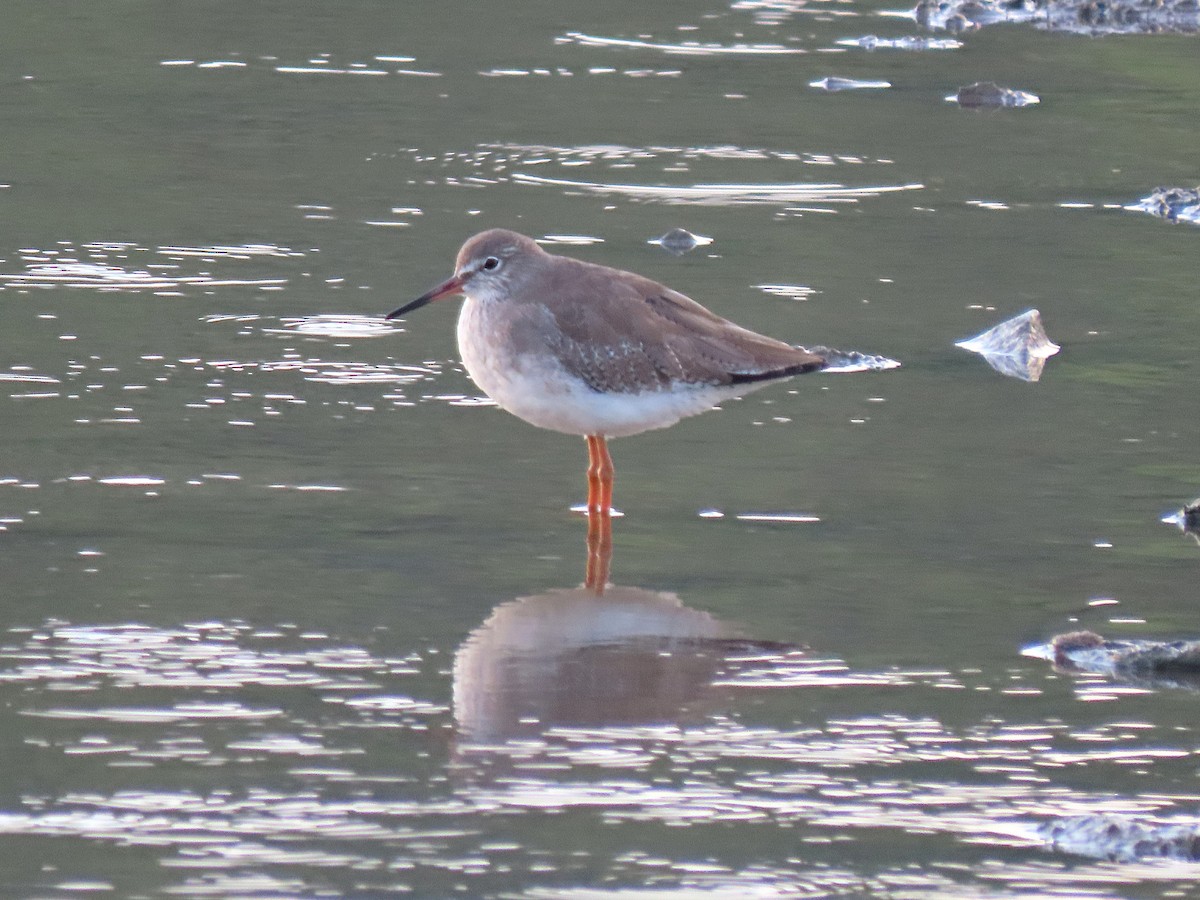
248 530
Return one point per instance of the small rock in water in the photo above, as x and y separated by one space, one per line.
1172 204
957 16
1093 17
1017 347
1171 663
832 83
1186 519
679 241
1120 838
989 95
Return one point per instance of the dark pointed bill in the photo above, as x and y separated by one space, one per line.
447 288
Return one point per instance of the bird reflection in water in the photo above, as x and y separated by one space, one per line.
599 550
598 655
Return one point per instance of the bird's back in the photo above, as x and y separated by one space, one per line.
624 332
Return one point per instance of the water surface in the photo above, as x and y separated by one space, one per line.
292 611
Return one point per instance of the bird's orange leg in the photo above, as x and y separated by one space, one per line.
593 473
600 476
606 473
599 509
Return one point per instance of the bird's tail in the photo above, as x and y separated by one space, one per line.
839 361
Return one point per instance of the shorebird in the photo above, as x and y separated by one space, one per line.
599 352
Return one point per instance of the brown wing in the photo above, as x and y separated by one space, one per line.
619 331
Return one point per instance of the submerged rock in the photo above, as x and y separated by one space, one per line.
1123 839
842 361
1017 347
1093 17
679 241
1169 663
988 94
1172 204
907 42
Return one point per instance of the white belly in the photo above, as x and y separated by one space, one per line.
535 387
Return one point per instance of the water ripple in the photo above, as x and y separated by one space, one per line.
325 803
199 656
109 266
684 48
335 325
330 371
723 194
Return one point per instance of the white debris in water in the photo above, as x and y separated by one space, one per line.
679 241
833 84
1017 347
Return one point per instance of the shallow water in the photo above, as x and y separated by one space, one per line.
292 611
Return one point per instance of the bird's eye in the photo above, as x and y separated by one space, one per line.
492 262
